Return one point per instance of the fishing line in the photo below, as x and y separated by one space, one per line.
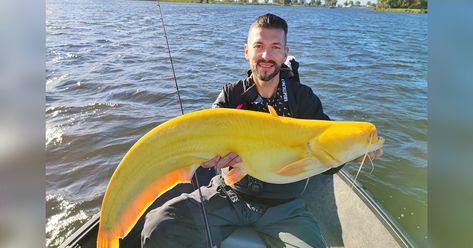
204 211
363 161
372 165
366 155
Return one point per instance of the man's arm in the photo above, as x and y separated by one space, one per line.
231 158
311 106
221 101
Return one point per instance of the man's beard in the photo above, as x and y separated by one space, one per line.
265 76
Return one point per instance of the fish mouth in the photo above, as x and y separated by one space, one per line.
376 140
380 140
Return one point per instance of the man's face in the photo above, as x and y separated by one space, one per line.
266 51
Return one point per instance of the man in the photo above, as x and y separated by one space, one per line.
275 211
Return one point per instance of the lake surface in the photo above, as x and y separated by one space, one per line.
109 81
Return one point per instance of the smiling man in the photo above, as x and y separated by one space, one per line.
275 211
266 51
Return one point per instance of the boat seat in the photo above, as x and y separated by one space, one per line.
243 237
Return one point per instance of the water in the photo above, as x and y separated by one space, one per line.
109 81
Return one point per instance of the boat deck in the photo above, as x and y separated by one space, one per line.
348 217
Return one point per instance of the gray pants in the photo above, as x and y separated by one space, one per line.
179 223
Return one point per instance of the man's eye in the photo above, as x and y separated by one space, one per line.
276 47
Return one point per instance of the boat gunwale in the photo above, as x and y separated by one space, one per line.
386 219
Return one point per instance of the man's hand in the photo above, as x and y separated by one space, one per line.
231 159
372 155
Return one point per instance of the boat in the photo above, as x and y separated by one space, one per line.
348 216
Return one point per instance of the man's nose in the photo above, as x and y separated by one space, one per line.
266 54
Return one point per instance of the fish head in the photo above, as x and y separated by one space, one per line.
345 142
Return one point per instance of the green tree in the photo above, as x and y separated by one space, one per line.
420 4
394 3
357 4
368 3
416 4
345 4
330 3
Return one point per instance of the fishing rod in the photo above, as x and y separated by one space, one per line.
202 204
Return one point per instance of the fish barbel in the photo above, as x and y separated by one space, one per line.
272 148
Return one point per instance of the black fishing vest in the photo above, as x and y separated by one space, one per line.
295 100
254 187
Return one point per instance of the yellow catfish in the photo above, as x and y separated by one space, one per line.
272 148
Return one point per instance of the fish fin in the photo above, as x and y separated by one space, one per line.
108 237
322 155
298 167
272 111
235 175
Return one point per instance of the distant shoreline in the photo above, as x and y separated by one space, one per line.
415 11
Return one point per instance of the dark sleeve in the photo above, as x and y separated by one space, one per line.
311 106
204 175
221 101
333 170
313 110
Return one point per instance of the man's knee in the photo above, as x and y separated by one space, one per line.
314 241
163 228
156 219
167 225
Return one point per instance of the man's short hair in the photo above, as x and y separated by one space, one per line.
270 21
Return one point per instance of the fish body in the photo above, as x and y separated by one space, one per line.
272 148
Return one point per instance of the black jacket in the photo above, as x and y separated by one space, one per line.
303 104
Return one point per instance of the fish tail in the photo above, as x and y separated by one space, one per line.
104 240
138 205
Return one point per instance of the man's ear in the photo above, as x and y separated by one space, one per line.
245 46
286 53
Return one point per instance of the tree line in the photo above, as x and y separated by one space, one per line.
389 4
404 4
